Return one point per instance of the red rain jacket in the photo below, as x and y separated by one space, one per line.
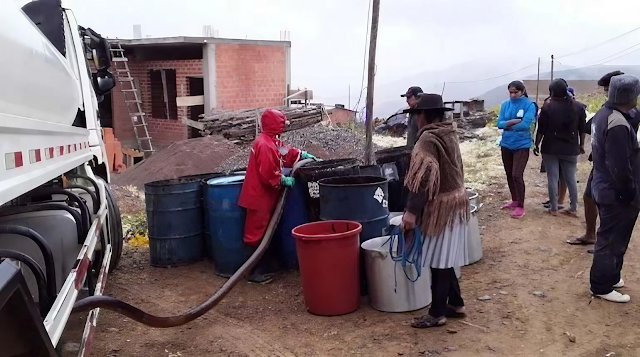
261 187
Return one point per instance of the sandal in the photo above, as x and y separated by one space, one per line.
427 321
570 213
553 213
548 205
451 312
580 241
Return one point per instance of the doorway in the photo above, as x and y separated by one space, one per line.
196 87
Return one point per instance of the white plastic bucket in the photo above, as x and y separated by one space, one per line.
384 294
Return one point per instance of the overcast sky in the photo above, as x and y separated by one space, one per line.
328 36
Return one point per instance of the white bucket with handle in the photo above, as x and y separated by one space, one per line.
474 243
389 289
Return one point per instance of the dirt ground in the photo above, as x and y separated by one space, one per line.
520 257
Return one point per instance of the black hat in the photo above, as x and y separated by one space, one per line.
412 91
429 101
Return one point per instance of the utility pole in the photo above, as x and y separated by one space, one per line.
375 16
538 82
349 100
551 68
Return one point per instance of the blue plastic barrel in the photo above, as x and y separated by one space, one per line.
174 216
363 199
295 214
225 223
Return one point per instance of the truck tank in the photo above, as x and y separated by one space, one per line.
38 83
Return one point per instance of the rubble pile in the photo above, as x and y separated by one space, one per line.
182 158
475 120
323 142
241 125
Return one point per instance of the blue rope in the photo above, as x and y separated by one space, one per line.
411 257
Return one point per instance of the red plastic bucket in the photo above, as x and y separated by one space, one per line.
328 253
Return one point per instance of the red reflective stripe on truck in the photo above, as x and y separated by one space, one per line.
81 272
13 160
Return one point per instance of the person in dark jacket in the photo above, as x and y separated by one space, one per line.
413 95
615 185
561 129
590 208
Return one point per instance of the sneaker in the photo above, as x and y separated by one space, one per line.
619 285
510 205
518 212
615 296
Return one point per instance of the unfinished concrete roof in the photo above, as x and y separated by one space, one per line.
159 41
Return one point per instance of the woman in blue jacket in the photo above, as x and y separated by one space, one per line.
517 116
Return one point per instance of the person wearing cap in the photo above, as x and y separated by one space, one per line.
412 95
561 128
438 205
264 181
590 208
615 185
516 118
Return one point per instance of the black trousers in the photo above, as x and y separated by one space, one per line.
515 161
612 240
445 290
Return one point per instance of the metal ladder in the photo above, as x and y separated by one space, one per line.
131 98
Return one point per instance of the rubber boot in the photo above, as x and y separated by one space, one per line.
259 273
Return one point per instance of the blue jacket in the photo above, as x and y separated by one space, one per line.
517 136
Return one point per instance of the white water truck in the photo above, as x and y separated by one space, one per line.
60 229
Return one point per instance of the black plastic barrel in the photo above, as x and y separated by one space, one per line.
175 220
313 172
401 157
363 199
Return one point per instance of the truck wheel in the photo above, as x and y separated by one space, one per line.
114 226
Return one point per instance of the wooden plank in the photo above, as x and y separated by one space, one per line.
132 152
193 123
190 101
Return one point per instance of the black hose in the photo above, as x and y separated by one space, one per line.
44 300
93 182
132 312
10 210
94 198
49 263
84 210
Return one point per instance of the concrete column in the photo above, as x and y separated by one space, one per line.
287 55
209 76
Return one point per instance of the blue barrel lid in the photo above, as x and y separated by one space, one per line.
226 180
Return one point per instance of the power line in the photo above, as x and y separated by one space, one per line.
364 57
599 44
617 53
496 77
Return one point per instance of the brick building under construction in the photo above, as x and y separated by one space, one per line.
176 78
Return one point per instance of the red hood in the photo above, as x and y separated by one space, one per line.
273 122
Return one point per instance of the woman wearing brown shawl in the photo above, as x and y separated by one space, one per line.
438 205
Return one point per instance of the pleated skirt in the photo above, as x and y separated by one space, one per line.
449 249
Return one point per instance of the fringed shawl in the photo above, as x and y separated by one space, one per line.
436 172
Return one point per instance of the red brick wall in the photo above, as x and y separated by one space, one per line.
250 76
162 131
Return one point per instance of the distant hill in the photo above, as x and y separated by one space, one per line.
492 90
584 80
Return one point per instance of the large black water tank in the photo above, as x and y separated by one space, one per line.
313 172
363 199
400 157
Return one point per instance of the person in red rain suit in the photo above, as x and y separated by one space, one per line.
263 182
